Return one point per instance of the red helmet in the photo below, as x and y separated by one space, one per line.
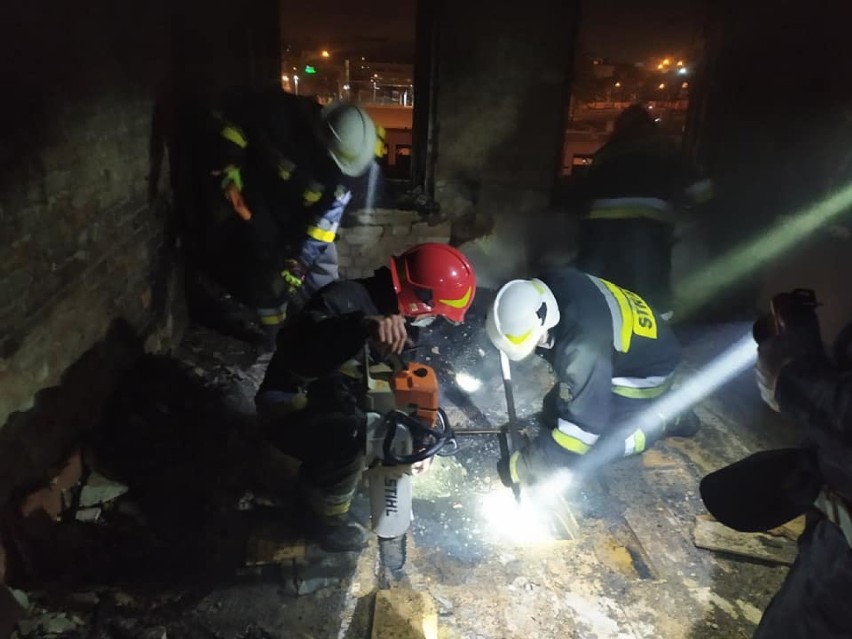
433 280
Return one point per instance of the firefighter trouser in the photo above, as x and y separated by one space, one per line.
633 428
250 255
814 599
325 435
635 254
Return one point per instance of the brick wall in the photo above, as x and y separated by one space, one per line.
86 213
372 237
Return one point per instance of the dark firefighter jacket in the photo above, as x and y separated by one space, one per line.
329 331
640 176
772 487
608 342
820 397
272 139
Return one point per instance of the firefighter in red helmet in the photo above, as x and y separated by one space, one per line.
310 410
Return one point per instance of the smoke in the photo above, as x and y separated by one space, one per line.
521 246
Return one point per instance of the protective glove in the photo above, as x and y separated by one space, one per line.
232 187
293 276
772 355
524 467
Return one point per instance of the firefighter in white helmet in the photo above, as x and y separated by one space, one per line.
612 357
285 163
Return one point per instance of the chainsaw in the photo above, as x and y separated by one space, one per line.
406 428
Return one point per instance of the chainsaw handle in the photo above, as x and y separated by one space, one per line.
418 429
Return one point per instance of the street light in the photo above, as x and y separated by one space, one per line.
617 84
662 85
296 81
682 71
325 54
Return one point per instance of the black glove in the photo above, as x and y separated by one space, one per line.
524 467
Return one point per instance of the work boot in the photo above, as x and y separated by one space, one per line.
337 534
684 425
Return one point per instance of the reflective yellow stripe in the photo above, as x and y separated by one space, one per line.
294 405
231 175
639 439
641 393
320 234
519 339
273 319
328 505
460 302
285 169
569 443
332 509
233 134
626 315
513 467
311 196
636 316
628 213
381 148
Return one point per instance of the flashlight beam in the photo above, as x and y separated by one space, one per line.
651 421
745 258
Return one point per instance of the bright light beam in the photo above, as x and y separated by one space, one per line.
738 358
467 382
738 262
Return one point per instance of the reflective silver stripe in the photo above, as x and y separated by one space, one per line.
614 311
572 430
641 382
836 511
635 443
632 202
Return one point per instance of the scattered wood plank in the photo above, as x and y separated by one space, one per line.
712 535
266 547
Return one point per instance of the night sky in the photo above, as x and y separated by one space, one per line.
633 30
623 30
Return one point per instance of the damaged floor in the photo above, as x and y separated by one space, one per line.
202 544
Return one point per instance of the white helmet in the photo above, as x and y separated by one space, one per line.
350 136
522 313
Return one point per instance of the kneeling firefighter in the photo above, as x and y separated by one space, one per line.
612 356
312 411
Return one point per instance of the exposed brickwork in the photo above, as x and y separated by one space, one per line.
375 236
86 219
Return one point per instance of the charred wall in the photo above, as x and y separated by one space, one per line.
89 157
774 128
501 88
